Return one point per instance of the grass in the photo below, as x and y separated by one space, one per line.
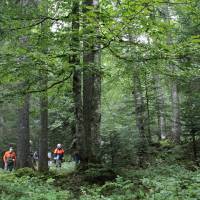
67 168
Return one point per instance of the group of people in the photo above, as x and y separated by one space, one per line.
58 155
9 158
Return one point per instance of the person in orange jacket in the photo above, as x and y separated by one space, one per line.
9 159
58 155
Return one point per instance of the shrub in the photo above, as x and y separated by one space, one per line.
27 187
155 183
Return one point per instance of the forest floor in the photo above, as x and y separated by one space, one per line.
167 178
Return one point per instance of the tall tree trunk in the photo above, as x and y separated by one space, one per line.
3 130
193 88
160 108
23 144
77 83
140 117
91 87
23 139
43 137
176 125
139 106
148 110
91 107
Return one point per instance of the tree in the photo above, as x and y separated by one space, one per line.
23 144
176 124
23 139
43 73
43 137
140 115
77 82
160 107
91 81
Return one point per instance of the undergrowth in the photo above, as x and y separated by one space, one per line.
170 182
157 182
13 187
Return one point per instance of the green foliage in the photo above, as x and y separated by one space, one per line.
157 182
143 36
175 183
171 182
28 187
25 172
166 143
118 190
99 174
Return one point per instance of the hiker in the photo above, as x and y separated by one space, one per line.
9 159
49 155
35 159
58 155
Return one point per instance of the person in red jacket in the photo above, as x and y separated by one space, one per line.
58 155
9 159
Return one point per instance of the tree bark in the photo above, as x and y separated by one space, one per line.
3 130
23 144
43 137
192 114
91 88
148 110
77 83
139 106
140 113
160 108
23 139
176 125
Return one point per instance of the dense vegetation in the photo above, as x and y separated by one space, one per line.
161 182
116 82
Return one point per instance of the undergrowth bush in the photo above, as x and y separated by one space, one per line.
13 187
164 182
170 182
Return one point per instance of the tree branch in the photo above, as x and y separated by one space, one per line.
51 86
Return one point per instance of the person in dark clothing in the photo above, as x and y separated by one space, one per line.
75 151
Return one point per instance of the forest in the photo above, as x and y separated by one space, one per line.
99 100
